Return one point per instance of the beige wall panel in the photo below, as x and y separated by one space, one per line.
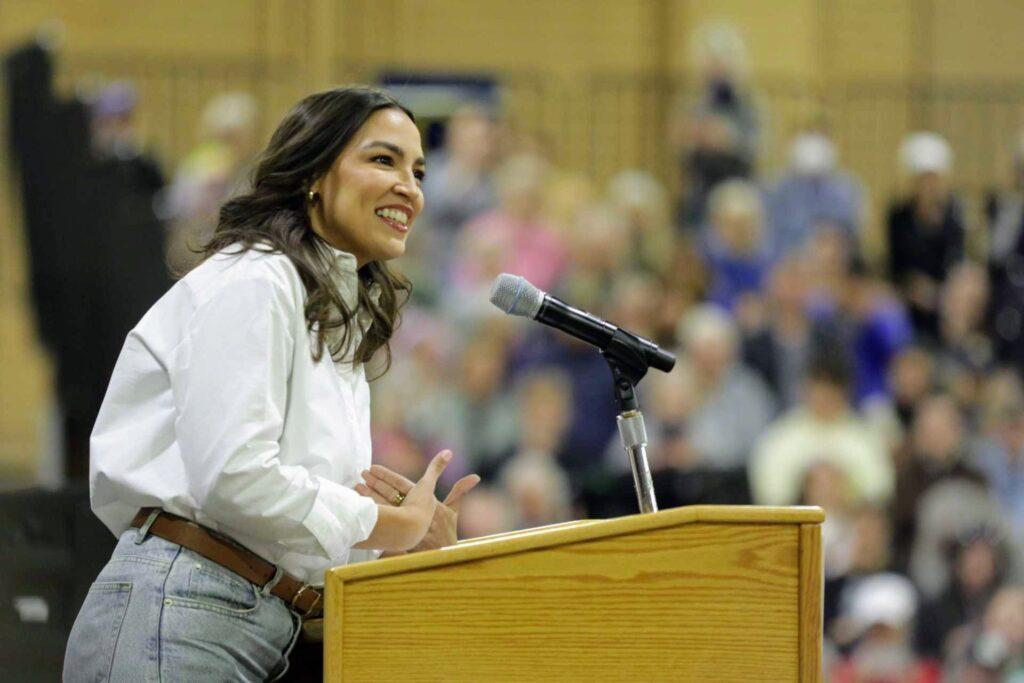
24 368
781 35
285 26
464 35
981 38
868 39
577 71
195 27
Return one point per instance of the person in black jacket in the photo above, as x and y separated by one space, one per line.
925 230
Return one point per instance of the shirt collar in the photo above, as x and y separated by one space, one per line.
345 276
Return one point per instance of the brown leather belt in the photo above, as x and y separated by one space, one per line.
304 599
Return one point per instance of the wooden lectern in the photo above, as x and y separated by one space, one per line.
703 593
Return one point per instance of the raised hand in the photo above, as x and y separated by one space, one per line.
403 527
390 488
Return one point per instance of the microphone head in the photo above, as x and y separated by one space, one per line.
516 296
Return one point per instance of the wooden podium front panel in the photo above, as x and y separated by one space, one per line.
696 602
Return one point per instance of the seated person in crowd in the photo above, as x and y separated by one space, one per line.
925 229
823 427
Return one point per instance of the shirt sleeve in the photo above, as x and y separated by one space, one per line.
231 397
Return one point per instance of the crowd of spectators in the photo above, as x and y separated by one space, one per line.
889 394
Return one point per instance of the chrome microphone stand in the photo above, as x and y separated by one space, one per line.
628 367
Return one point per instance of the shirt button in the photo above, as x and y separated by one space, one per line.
168 601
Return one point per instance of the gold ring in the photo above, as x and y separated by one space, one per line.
398 499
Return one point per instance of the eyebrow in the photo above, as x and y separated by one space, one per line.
394 148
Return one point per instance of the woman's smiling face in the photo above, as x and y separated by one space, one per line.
371 195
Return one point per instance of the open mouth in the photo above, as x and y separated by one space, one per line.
395 224
396 219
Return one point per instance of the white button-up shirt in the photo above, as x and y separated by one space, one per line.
217 412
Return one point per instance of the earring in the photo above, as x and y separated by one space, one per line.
312 197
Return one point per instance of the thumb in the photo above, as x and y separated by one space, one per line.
461 488
434 470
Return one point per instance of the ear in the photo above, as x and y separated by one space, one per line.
315 187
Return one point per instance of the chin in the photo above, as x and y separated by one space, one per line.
391 251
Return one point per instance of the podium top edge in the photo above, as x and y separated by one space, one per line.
575 532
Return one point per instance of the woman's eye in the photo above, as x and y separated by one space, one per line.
385 157
420 175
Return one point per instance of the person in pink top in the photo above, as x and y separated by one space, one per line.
515 237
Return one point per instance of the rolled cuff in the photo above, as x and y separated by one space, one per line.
339 519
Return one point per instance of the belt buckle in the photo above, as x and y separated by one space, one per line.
302 589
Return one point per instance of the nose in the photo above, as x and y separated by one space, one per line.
409 189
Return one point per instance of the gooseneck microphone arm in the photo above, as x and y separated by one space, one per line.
629 356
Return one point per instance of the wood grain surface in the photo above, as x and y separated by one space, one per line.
576 532
812 609
698 601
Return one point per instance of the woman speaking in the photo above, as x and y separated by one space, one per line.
232 438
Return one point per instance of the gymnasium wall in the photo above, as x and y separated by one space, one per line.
598 78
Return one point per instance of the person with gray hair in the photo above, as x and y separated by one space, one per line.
732 404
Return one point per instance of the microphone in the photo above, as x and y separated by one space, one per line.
516 296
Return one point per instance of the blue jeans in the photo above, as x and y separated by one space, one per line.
160 612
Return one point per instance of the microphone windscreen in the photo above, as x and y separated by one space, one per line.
516 296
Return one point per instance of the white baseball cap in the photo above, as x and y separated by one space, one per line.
926 152
885 598
812 154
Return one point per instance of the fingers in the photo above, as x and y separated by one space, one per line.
460 489
366 491
397 481
381 487
434 470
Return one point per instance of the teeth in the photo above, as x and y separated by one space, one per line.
393 214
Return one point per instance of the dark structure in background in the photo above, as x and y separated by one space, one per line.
53 547
94 242
95 255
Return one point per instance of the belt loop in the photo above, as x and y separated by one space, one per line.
144 529
269 585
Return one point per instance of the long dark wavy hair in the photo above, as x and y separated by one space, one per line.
273 216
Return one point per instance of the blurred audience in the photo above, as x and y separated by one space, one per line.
731 405
779 342
214 170
459 183
814 194
892 399
115 138
1005 214
869 323
938 451
822 427
644 202
1000 448
926 230
979 561
539 488
515 232
718 136
734 247
992 650
877 627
